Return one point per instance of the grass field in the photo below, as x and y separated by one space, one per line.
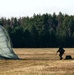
38 61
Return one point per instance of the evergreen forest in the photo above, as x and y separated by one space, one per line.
40 31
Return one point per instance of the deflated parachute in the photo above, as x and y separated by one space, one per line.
6 51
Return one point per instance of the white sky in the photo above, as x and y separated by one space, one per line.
19 8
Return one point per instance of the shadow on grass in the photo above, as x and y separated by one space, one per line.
36 59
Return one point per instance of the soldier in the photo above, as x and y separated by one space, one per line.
61 52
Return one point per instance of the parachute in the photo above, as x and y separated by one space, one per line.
6 51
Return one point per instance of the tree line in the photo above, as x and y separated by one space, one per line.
41 31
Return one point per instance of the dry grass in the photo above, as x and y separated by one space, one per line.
38 61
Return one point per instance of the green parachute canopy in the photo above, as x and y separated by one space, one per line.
6 51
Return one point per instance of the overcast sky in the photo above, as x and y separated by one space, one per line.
19 8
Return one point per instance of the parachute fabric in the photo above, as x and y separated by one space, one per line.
6 51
